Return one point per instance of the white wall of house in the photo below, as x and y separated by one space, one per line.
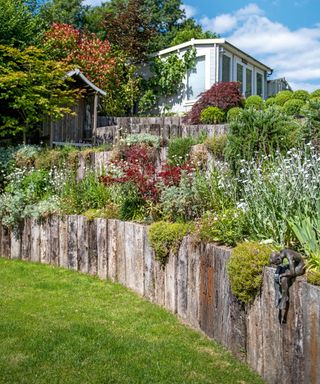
217 60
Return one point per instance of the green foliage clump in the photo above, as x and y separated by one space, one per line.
254 101
311 110
216 145
26 155
179 149
233 113
6 164
259 133
301 94
212 115
147 103
88 193
57 157
315 93
110 211
166 237
245 269
181 202
142 138
28 193
282 97
270 101
293 107
306 228
225 227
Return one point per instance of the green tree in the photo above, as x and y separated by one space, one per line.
19 23
31 88
190 30
166 15
63 11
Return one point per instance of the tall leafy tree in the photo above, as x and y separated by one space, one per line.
166 15
63 11
188 30
96 60
31 87
129 29
20 25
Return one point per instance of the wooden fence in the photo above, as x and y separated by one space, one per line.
194 285
111 129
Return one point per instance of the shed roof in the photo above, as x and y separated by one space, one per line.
222 42
79 74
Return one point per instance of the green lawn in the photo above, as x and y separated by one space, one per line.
58 326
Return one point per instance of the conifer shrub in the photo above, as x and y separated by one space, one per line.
166 237
245 268
301 94
315 93
282 97
293 107
255 102
233 113
270 101
221 95
212 115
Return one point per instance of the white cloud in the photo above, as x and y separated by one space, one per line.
228 21
189 10
294 54
250 9
220 24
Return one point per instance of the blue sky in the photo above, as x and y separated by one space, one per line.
283 34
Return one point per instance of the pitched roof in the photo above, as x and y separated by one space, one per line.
78 73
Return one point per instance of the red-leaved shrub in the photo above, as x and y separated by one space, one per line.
222 95
136 167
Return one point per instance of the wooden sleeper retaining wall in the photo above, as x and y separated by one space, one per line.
194 285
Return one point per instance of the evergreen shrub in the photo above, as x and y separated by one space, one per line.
315 93
233 113
245 269
166 237
212 115
270 101
301 94
293 107
255 102
282 97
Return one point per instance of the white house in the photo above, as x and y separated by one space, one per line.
216 60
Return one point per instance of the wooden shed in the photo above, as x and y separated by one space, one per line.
79 128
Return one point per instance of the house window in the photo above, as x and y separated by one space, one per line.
248 82
240 76
196 79
226 66
259 85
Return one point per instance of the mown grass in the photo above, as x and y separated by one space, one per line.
58 326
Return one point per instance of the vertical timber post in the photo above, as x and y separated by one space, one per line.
95 119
